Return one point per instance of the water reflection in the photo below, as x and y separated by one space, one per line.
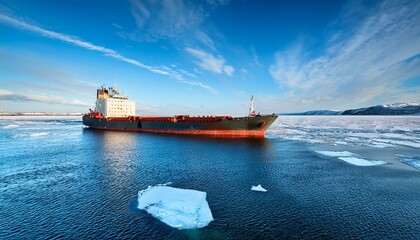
114 157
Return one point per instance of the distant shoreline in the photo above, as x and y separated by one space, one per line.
39 114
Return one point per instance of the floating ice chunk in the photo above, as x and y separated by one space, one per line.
411 160
178 208
352 139
40 134
399 142
361 162
351 158
258 188
336 154
11 126
380 145
340 142
314 141
415 163
398 136
405 155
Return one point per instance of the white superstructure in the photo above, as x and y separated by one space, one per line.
110 103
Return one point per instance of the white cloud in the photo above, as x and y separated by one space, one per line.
367 61
176 20
229 70
6 95
255 58
209 62
70 39
167 18
116 25
200 84
187 73
204 38
87 45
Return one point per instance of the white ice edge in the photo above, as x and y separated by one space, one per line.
178 208
258 188
336 153
11 126
415 163
351 158
399 142
361 162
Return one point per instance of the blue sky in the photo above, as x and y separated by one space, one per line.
209 57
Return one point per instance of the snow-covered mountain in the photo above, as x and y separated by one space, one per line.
385 109
316 112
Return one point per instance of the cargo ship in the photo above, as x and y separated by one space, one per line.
114 111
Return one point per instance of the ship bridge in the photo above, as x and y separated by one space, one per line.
110 103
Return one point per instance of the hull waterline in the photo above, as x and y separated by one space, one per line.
242 127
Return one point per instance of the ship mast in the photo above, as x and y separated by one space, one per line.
251 108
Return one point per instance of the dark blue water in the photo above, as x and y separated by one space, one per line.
60 180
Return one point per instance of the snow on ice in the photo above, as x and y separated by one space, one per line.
258 188
178 208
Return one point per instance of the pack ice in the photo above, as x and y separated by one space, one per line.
178 208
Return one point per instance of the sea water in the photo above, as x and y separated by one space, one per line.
59 179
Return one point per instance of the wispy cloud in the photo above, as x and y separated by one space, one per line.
172 19
89 46
200 84
255 58
209 62
116 25
6 95
165 19
23 63
368 60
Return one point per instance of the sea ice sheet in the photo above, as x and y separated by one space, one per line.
363 131
178 208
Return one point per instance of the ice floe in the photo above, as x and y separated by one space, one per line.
411 160
361 162
380 145
351 158
400 142
32 135
11 126
178 208
40 134
336 154
258 188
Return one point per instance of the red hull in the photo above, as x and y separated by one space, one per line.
212 133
